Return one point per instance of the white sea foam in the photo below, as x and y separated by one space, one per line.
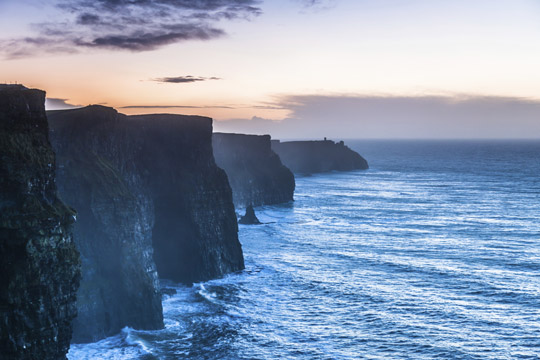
119 347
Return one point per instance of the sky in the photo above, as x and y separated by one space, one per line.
292 68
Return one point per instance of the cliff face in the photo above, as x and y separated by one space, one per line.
39 265
255 172
98 176
195 234
146 188
306 157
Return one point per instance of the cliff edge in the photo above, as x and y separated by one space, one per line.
39 264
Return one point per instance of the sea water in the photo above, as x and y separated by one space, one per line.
432 253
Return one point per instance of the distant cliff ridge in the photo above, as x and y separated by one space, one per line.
39 264
147 188
306 157
255 172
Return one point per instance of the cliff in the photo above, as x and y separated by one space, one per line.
97 176
39 264
149 196
195 235
255 172
306 157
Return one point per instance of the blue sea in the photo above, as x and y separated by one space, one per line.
432 253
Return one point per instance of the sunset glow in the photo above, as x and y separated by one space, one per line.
287 48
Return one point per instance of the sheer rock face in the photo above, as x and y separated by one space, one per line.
39 264
306 157
146 188
255 172
195 235
97 176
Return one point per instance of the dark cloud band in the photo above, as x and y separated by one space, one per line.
176 107
134 25
184 79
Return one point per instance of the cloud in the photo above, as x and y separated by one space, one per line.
28 46
255 125
176 107
134 25
317 5
422 117
140 41
184 79
313 2
58 104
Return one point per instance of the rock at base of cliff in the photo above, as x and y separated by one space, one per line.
249 218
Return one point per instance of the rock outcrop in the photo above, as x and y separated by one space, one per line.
255 172
307 157
249 217
39 264
147 188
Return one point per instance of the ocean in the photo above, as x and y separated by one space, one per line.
432 253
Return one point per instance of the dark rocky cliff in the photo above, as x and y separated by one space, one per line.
147 188
98 176
195 233
306 157
255 172
39 265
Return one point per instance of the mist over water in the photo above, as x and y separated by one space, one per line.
432 253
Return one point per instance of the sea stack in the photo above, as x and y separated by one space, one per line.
256 173
307 157
249 218
39 264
